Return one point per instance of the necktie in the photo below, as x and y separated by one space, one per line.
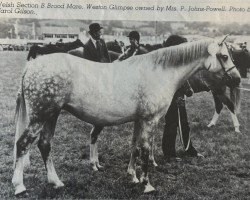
98 46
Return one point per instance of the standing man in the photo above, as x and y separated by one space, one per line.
135 48
95 49
176 117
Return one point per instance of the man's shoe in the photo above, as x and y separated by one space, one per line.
191 152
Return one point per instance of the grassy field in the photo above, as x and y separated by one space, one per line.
223 174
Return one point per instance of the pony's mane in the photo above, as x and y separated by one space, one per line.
176 55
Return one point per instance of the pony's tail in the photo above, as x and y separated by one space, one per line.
21 119
235 96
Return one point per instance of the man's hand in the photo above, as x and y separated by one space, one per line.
120 57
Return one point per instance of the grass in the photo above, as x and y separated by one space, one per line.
223 174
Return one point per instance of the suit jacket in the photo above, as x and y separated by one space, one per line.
92 53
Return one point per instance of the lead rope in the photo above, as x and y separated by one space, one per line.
181 133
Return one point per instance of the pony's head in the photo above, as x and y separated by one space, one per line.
79 43
220 61
114 46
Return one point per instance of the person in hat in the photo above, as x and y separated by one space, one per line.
95 49
135 48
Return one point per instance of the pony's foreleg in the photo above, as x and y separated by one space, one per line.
214 119
22 146
151 155
218 108
231 107
146 134
235 122
135 152
44 146
94 161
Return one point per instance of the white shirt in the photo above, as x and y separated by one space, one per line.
93 40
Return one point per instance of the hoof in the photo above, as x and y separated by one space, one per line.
131 171
237 130
135 180
210 125
99 166
152 161
155 164
133 174
149 188
58 185
20 190
94 167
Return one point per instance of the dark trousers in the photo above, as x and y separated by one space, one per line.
171 125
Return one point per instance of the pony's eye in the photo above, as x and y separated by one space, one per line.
224 57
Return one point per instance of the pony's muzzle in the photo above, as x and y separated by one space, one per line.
231 81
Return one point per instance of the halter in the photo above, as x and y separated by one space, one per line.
226 76
221 57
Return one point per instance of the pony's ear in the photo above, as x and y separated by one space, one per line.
213 49
223 39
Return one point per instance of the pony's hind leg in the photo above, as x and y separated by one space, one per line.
146 134
94 161
135 152
22 146
44 146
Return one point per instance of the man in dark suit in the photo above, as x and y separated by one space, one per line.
135 48
176 117
95 49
